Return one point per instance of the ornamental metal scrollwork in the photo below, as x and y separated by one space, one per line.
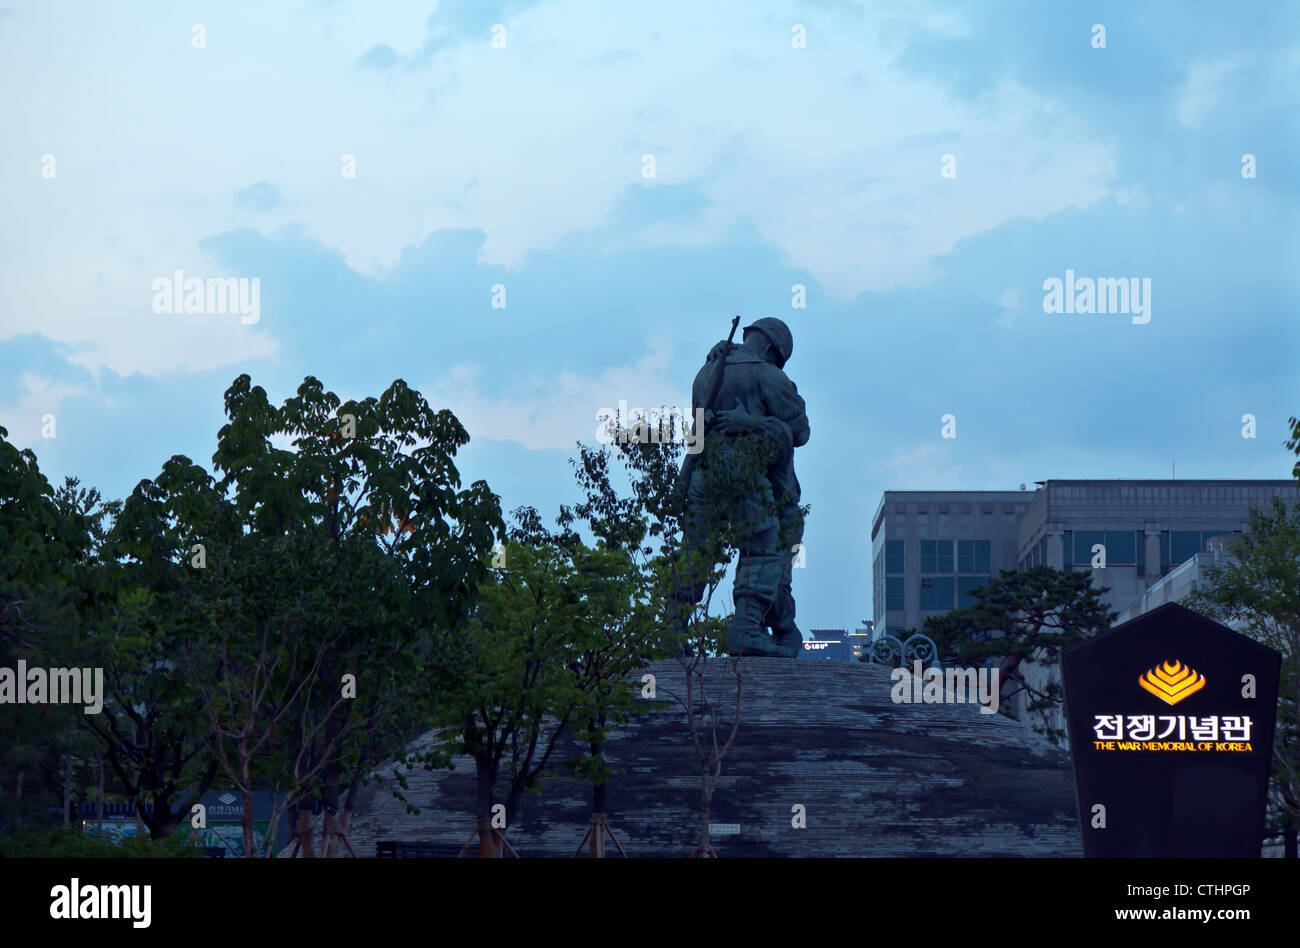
889 650
920 648
886 650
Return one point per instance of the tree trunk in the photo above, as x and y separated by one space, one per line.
1289 843
345 818
246 820
598 790
706 804
306 845
598 800
329 833
488 848
100 796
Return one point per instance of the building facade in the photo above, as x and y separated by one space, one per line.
1180 582
837 645
931 548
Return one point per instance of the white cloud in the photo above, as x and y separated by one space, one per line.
23 419
1202 90
924 466
548 130
1009 301
545 412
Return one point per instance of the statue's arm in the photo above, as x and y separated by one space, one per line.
739 420
785 402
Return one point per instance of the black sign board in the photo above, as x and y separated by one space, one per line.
1171 729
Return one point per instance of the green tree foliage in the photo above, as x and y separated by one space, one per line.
1293 444
509 693
355 550
153 603
1024 617
647 521
67 843
1257 592
47 538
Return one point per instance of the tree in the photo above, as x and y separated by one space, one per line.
153 729
1022 617
47 539
357 550
509 693
1257 592
1293 444
649 521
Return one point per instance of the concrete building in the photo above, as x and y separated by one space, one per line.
930 548
1181 581
825 645
860 639
837 645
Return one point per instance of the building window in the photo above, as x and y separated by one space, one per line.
1084 541
894 592
1121 548
965 586
936 556
1183 545
936 592
973 556
894 556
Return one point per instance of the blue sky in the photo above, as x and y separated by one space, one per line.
774 165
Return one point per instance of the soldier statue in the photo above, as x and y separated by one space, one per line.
743 392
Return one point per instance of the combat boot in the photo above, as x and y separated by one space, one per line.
757 581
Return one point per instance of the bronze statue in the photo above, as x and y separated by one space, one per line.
742 393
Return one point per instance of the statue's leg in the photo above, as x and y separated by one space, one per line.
785 633
758 581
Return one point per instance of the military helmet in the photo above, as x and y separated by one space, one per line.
779 333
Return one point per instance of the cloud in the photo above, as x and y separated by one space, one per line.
258 196
452 23
381 57
1009 301
1201 90
544 412
929 464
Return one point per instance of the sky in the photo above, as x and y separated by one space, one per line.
635 174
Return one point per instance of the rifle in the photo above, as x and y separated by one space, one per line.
710 396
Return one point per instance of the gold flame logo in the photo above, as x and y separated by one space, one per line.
1172 681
